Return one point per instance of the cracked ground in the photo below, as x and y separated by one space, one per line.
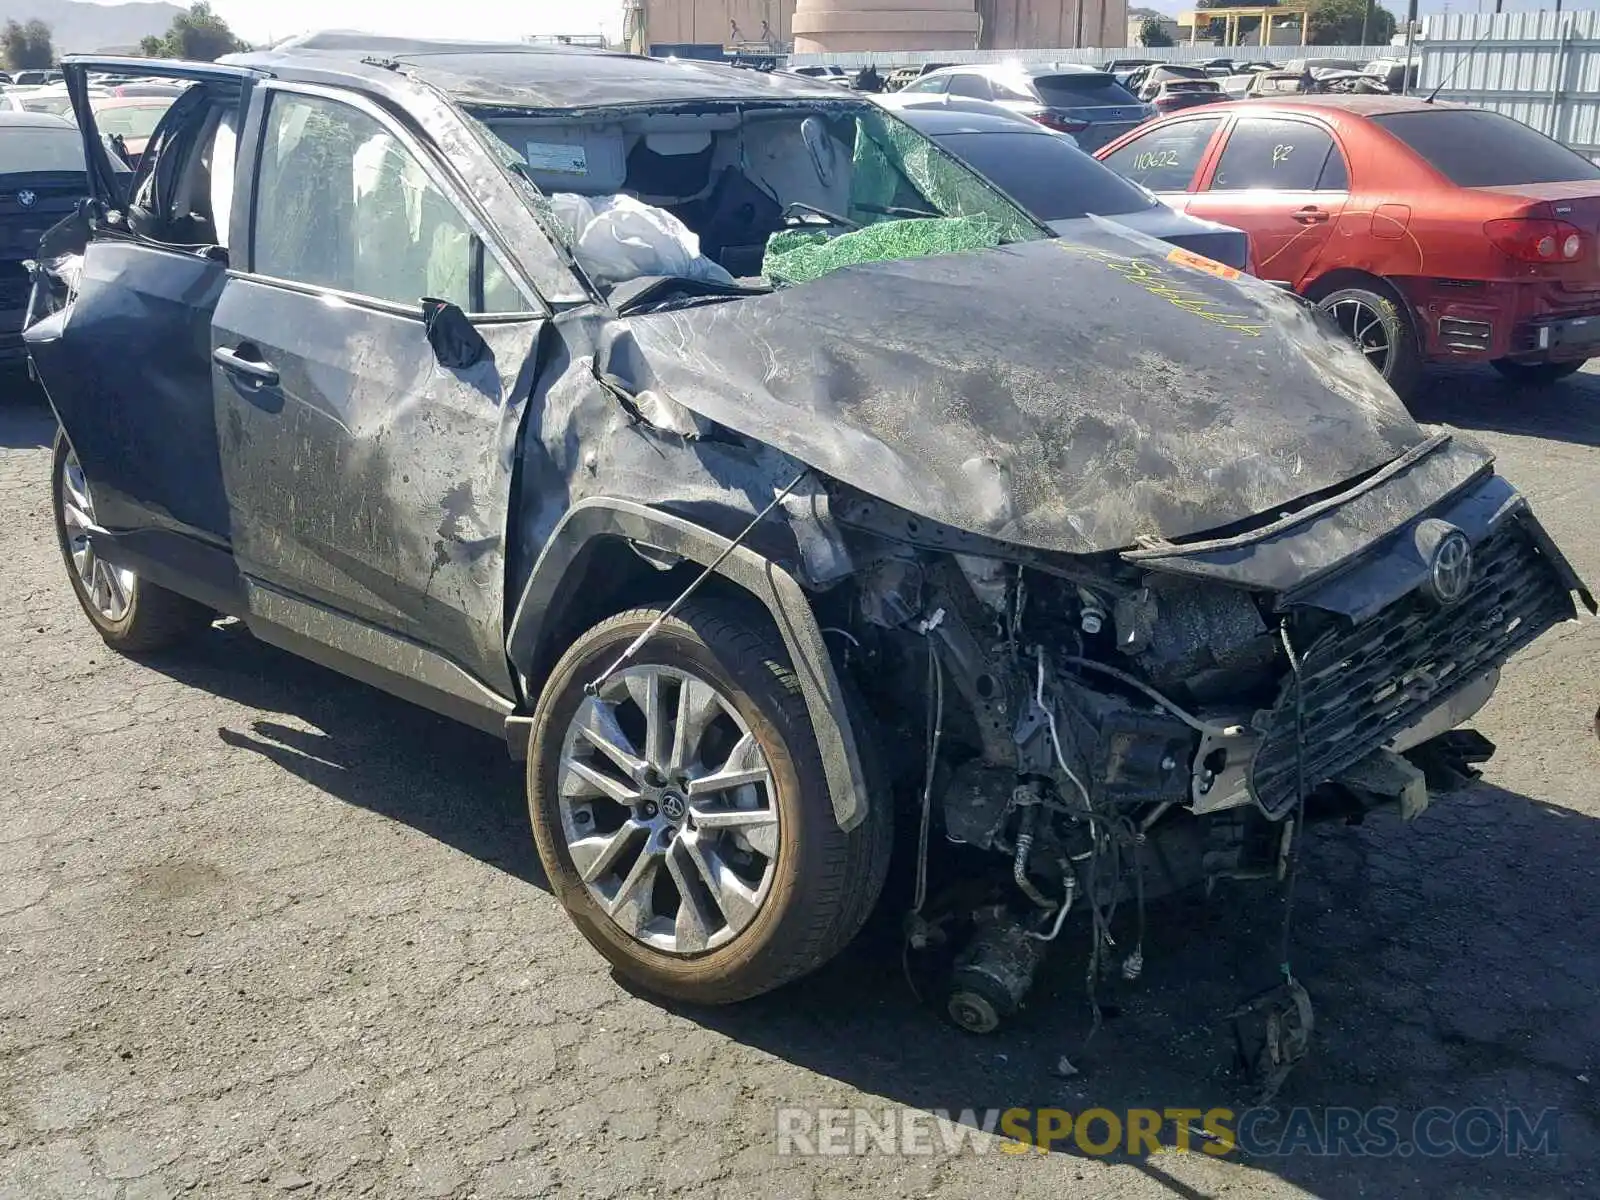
267 932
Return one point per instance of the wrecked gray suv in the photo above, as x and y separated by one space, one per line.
1074 572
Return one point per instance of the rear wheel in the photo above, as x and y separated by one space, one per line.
1378 324
682 814
1541 374
131 614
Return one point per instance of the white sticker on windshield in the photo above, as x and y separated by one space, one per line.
557 156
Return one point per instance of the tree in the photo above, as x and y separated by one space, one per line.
198 35
1338 23
27 47
1151 33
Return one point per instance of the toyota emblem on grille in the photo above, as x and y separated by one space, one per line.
27 199
1451 573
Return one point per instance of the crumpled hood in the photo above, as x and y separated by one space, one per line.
1073 396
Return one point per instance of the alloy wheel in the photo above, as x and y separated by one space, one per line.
668 809
1366 327
108 588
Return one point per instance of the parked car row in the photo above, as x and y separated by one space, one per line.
1090 105
1430 232
783 491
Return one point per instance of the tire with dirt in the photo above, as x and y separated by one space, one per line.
1377 321
1536 374
682 814
132 615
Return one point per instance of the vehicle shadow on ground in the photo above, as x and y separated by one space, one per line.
1452 964
367 748
25 416
1452 961
1568 411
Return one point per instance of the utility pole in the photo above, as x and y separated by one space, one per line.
1366 21
1411 28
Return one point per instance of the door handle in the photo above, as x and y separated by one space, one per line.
255 371
1310 215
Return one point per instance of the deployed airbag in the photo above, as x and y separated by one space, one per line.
617 238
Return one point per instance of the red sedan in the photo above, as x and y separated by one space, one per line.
1429 232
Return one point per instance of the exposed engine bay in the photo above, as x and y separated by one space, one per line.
1104 734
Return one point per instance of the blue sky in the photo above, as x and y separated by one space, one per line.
482 19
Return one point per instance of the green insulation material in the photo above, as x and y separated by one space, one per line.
798 256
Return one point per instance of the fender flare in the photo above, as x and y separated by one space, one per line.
767 582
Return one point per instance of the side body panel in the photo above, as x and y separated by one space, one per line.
370 479
129 377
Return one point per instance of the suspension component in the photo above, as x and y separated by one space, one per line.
993 973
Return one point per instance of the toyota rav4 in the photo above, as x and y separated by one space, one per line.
781 491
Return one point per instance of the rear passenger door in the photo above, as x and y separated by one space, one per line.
1283 180
368 477
127 367
1168 158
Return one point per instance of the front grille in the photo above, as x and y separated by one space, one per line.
1365 685
15 286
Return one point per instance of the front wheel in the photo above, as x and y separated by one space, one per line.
131 614
1541 374
1378 324
682 814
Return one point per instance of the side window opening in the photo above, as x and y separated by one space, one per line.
1166 159
1013 89
500 294
173 195
1335 175
975 87
344 204
1271 153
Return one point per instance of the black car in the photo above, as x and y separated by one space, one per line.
1090 105
1060 184
41 180
1079 559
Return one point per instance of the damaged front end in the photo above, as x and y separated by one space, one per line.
1127 614
1110 728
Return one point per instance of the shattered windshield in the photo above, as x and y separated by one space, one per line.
750 197
898 172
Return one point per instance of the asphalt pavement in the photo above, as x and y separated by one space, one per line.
265 931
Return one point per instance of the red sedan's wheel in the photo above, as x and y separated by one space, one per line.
1381 330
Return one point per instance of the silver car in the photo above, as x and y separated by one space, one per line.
1089 104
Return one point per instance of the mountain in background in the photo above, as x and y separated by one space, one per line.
78 27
